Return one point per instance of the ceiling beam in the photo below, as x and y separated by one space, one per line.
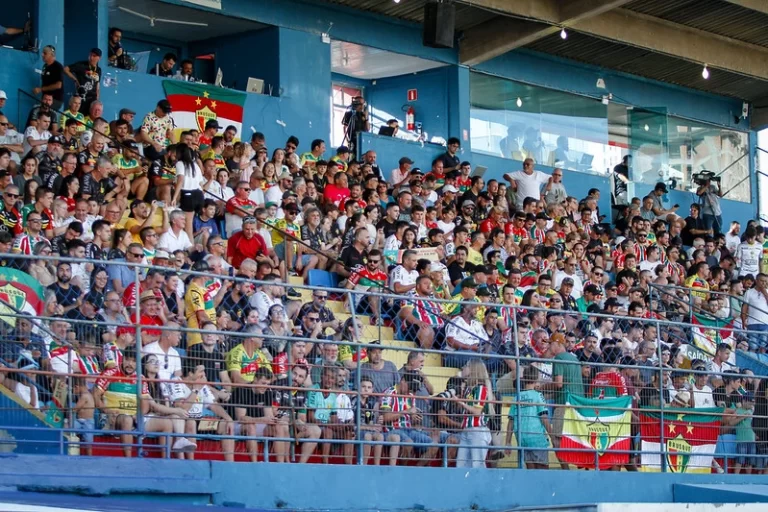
490 40
605 21
754 5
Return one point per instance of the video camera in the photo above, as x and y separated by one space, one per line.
701 178
357 101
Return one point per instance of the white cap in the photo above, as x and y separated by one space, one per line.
450 188
436 266
3 96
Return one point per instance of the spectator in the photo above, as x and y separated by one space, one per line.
400 417
87 76
52 77
157 131
165 67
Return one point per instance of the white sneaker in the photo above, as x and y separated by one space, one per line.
183 444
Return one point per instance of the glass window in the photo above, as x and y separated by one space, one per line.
556 129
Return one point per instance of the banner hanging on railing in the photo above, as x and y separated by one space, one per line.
195 104
602 425
690 437
19 292
708 333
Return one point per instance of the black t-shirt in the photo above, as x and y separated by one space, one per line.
367 410
451 409
291 400
94 330
387 226
87 76
457 273
213 362
450 161
159 71
89 186
253 402
691 223
47 166
619 186
86 159
352 258
65 297
731 401
52 73
236 308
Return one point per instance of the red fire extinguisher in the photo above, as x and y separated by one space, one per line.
410 119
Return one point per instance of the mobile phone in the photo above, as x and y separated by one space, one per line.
160 204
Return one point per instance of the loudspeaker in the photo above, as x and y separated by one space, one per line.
439 19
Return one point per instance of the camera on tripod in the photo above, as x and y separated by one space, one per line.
701 178
357 101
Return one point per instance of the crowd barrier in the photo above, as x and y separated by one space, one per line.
636 416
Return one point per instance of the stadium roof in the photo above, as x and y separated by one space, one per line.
666 40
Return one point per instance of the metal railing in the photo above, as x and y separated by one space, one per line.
500 414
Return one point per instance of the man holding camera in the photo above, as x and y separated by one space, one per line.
709 193
355 121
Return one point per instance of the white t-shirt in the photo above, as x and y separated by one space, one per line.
214 191
32 132
703 397
528 185
168 364
193 180
172 243
469 334
262 302
257 196
649 265
578 285
177 390
403 276
758 308
748 258
274 195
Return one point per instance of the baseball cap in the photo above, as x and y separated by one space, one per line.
611 301
291 207
483 291
3 96
55 139
161 254
289 193
270 204
212 123
467 203
285 176
436 266
405 160
96 51
130 144
342 149
468 283
4 173
592 288
124 111
165 106
661 186
450 188
95 298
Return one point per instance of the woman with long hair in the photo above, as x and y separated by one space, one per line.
531 299
477 403
70 186
354 222
409 239
121 239
28 173
351 331
189 181
30 189
270 176
278 160
240 162
99 279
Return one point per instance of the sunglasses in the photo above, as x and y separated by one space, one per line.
375 262
15 196
135 255
311 319
321 297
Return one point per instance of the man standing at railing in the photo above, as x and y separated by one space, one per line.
754 314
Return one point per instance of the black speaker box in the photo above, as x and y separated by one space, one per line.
439 19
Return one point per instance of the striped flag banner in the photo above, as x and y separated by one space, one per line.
599 425
195 104
689 440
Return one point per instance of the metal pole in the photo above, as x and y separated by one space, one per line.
518 371
358 351
661 399
139 369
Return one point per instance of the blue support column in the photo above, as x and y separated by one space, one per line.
49 27
86 26
305 80
458 107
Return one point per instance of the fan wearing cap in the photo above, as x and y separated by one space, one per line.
342 157
87 322
212 127
156 130
86 74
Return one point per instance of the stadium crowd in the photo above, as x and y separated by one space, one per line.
540 264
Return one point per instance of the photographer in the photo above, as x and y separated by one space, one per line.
355 121
709 193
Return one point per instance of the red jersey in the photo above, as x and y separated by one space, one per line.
240 248
518 233
608 385
489 225
463 184
336 195
10 220
234 204
130 295
70 202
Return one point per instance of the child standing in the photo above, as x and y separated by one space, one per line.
534 422
370 428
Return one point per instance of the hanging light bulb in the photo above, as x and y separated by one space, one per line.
563 34
705 72
646 127
397 1
519 102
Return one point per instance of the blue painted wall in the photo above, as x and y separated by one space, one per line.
229 52
388 97
275 486
389 151
17 72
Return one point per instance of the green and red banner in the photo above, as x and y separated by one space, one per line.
599 428
195 104
709 332
687 439
19 292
